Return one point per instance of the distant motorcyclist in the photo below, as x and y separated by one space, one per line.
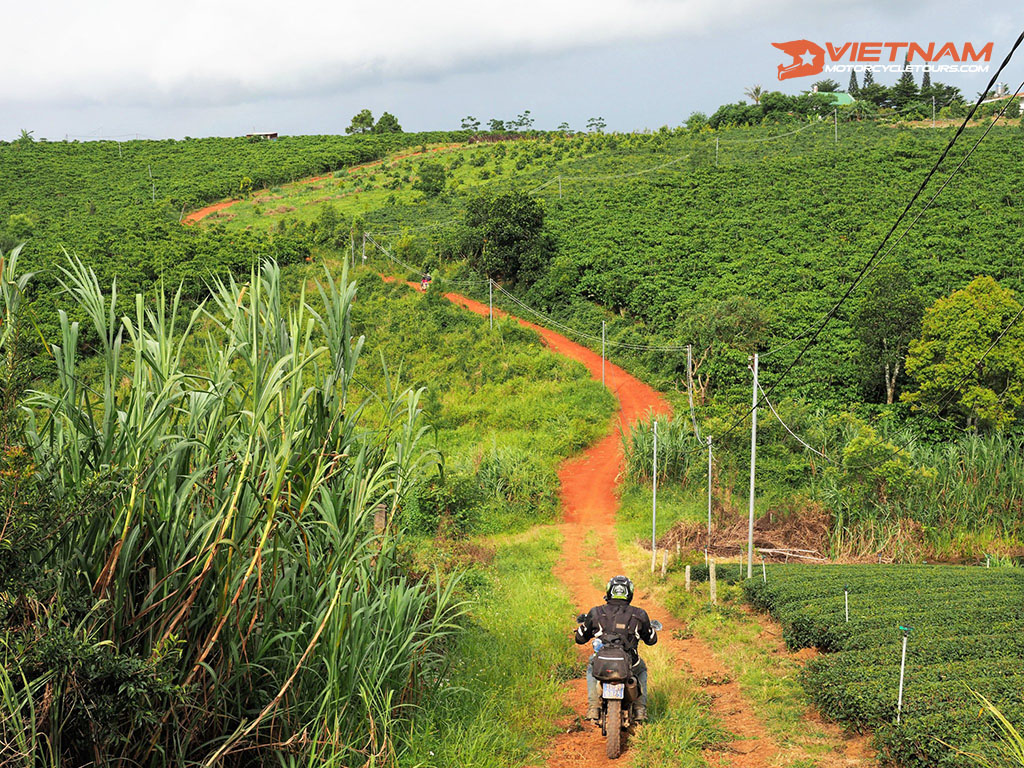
618 620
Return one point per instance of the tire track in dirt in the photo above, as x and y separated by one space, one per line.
589 490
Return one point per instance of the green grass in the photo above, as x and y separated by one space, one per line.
503 693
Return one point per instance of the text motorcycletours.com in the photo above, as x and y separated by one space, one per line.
808 58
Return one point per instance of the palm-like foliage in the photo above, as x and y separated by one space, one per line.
755 93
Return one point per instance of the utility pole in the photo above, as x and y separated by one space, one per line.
933 110
150 167
602 353
559 187
753 461
654 502
709 494
490 302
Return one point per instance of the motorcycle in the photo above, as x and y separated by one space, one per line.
613 670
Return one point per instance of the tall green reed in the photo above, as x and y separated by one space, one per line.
224 515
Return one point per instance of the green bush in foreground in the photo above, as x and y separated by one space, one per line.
224 583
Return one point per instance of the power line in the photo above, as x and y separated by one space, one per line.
785 426
869 267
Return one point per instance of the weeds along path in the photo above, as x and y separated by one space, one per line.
589 485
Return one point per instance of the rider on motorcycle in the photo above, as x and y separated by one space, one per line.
617 619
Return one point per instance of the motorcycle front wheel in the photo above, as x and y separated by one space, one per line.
613 726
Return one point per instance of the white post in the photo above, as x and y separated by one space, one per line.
933 111
664 563
490 302
602 353
654 499
835 115
709 493
764 573
753 462
364 248
687 578
846 599
713 581
903 667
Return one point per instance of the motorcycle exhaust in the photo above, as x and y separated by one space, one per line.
632 689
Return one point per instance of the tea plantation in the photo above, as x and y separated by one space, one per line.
966 634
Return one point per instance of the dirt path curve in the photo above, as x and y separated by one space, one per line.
590 556
201 213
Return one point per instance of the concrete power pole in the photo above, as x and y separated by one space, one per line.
709 492
654 501
753 462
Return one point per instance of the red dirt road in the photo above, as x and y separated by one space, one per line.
201 213
589 489
590 499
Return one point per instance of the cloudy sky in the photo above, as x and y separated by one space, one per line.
113 68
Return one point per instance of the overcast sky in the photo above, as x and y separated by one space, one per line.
113 68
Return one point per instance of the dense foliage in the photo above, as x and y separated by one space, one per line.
118 206
967 631
203 561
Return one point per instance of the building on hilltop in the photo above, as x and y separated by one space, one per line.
839 98
268 135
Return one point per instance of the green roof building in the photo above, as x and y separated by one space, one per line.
839 98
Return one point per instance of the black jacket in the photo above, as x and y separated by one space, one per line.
618 621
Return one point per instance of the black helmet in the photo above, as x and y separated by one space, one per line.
619 588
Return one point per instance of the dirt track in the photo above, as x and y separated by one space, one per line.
201 213
590 500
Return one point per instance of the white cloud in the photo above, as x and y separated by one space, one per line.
230 51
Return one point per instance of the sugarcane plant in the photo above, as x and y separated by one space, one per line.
229 540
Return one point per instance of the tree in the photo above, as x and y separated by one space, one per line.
523 122
886 320
496 125
387 123
470 123
926 84
361 123
905 91
754 93
505 238
826 86
696 121
596 124
564 127
432 178
25 139
852 88
871 91
960 363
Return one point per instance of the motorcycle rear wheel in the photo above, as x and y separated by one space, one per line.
613 726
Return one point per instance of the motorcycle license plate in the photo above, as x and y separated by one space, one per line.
614 690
